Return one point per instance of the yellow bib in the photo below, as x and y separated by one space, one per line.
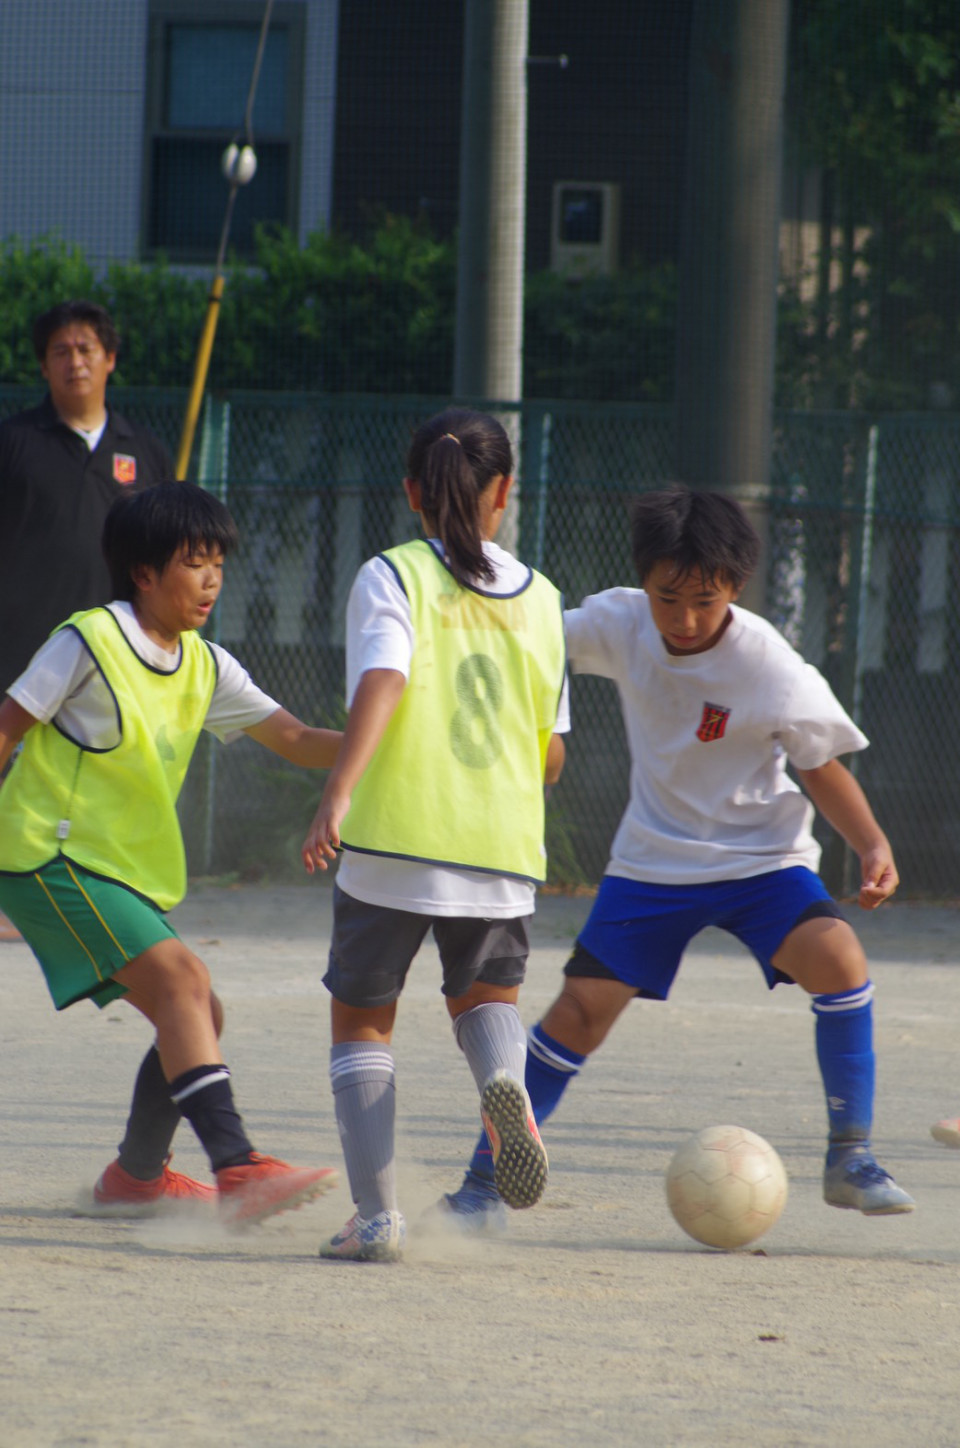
457 778
113 811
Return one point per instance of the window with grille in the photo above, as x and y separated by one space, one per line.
200 64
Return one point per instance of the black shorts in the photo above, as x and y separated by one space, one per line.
373 946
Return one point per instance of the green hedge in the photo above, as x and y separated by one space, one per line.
338 315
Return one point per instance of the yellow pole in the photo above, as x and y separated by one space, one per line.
200 369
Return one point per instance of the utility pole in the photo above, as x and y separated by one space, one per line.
493 168
726 327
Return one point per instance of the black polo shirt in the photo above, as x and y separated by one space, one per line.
54 496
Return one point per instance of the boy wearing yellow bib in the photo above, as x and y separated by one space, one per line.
456 682
91 856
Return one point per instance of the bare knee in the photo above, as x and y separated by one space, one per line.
188 977
823 956
216 1012
168 974
584 1011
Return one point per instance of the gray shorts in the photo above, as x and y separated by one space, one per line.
373 946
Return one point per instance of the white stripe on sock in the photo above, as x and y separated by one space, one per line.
543 1053
851 1002
223 1075
371 1065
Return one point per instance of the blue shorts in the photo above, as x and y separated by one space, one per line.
637 933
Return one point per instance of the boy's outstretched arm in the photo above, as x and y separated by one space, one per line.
377 695
289 737
14 723
556 757
843 804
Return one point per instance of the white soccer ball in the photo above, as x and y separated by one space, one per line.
726 1186
239 163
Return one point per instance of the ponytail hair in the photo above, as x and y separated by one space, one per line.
454 457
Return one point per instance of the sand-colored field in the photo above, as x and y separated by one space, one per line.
595 1321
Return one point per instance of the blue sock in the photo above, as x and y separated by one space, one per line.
844 1033
550 1069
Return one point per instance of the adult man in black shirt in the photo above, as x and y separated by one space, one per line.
61 466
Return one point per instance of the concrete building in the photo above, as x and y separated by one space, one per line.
114 115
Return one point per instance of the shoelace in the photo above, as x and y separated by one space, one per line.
867 1172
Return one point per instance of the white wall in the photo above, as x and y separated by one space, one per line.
71 121
72 84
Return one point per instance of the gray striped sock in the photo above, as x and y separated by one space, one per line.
364 1098
492 1038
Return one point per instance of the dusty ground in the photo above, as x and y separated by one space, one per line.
594 1322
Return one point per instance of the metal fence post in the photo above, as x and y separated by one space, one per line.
536 481
860 593
863 584
213 474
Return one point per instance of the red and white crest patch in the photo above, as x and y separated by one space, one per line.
713 723
124 469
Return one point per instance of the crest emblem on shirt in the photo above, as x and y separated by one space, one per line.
124 469
713 723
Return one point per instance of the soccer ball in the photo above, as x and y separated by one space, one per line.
726 1186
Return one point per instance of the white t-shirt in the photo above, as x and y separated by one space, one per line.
380 636
90 435
710 735
62 682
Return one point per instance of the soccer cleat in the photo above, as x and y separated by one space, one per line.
947 1132
474 1208
519 1158
264 1186
378 1240
858 1182
118 1194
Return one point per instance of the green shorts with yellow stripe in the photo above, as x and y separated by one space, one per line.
81 927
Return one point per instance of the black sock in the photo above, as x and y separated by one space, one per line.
205 1098
153 1119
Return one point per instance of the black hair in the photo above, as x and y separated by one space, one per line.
150 527
707 533
63 314
454 457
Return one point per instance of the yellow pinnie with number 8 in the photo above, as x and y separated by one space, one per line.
456 683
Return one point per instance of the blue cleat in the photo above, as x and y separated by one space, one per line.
860 1184
474 1208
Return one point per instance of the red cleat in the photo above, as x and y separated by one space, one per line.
118 1194
263 1186
947 1132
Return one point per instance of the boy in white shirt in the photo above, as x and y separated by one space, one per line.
715 704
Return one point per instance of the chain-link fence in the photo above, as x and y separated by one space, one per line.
864 568
864 557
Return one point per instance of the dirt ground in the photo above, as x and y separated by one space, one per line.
595 1321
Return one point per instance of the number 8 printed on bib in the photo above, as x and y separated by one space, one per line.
475 736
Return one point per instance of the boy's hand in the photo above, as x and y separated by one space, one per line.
879 877
839 798
323 836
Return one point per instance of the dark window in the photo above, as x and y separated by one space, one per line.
581 216
201 64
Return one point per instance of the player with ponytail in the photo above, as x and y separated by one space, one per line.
456 685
